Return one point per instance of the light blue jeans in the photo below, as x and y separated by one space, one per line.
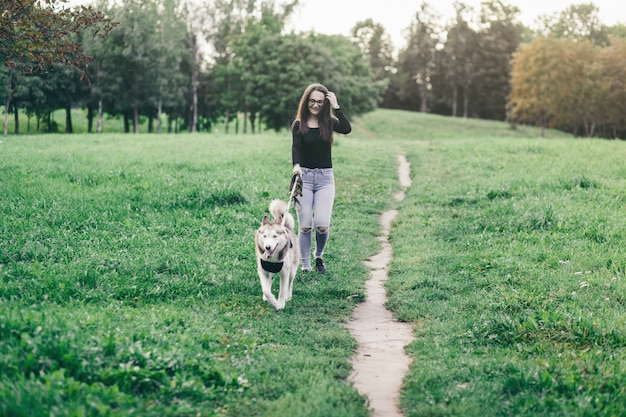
318 197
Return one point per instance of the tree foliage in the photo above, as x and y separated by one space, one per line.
577 21
613 72
222 60
499 37
534 94
458 58
571 85
377 47
418 59
35 34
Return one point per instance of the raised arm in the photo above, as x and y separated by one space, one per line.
343 124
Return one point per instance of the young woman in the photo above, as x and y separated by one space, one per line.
319 115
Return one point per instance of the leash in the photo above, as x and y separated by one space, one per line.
292 197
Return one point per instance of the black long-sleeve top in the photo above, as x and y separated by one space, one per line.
310 150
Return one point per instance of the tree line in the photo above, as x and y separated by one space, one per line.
182 65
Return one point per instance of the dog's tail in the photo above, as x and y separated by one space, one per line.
279 208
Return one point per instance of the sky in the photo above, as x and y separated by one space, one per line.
340 16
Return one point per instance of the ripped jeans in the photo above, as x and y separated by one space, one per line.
318 197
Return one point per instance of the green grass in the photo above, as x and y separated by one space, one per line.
508 257
128 282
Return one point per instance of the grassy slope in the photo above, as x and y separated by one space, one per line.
128 286
128 282
508 256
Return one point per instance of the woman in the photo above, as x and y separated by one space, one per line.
319 115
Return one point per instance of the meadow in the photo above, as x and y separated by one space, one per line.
128 283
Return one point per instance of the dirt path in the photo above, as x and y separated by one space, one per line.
379 365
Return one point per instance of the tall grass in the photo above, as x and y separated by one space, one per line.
508 257
128 282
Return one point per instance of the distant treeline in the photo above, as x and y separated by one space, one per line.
187 65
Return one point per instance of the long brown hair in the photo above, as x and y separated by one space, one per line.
325 119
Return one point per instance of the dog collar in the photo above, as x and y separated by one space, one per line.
273 267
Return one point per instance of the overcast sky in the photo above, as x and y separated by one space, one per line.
339 16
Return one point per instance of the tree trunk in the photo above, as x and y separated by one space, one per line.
99 126
465 100
6 116
252 121
159 114
245 119
68 119
136 119
150 124
89 119
465 105
455 94
195 76
17 119
194 112
7 102
126 123
226 121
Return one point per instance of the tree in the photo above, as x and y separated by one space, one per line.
35 34
499 36
582 103
62 89
277 70
418 59
459 57
613 70
578 21
133 70
377 47
571 85
535 88
349 75
237 29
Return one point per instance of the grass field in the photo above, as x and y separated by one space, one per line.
128 283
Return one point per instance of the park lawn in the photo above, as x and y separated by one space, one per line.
128 282
509 259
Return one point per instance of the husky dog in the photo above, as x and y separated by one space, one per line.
277 252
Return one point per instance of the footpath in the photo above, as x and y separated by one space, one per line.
380 363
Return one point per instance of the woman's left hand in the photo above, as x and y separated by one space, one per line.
332 98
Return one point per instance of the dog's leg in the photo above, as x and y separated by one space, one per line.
283 292
266 287
295 263
292 276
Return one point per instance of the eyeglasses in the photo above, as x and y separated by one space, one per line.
314 102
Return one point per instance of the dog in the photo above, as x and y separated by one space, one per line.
277 252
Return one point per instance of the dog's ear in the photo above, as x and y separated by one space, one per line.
265 220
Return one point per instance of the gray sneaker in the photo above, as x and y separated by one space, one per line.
319 266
